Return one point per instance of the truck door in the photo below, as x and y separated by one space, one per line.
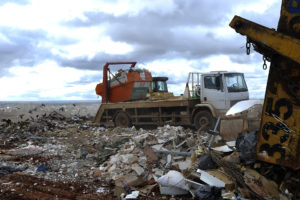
213 91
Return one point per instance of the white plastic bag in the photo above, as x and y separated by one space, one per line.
173 178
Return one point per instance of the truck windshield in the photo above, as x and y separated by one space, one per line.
235 82
159 86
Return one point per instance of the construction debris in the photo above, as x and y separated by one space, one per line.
210 180
246 146
206 192
205 162
70 157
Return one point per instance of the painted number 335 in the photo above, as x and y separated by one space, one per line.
275 128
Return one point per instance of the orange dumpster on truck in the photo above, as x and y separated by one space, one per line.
125 85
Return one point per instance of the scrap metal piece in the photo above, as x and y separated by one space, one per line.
213 133
173 152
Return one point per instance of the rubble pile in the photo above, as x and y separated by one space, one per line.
69 157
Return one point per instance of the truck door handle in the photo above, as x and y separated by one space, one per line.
205 99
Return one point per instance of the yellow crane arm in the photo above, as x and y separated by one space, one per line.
267 38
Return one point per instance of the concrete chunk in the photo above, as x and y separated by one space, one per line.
128 158
138 169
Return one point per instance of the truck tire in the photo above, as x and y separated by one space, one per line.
122 120
204 120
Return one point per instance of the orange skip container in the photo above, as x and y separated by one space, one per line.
126 85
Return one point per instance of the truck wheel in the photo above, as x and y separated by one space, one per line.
204 120
122 120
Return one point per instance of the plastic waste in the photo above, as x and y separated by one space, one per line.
126 187
242 106
41 168
246 145
9 170
205 162
206 192
173 178
133 195
83 155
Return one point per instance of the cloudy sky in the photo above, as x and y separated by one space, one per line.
55 49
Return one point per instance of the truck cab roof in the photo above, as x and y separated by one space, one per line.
221 72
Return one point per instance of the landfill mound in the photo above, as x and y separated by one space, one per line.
63 156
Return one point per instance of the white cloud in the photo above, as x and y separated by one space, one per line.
176 89
258 6
175 67
48 16
44 14
91 42
223 63
47 79
4 38
134 7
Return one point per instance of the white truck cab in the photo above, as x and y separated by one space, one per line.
217 90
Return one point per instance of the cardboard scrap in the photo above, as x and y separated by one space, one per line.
261 185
